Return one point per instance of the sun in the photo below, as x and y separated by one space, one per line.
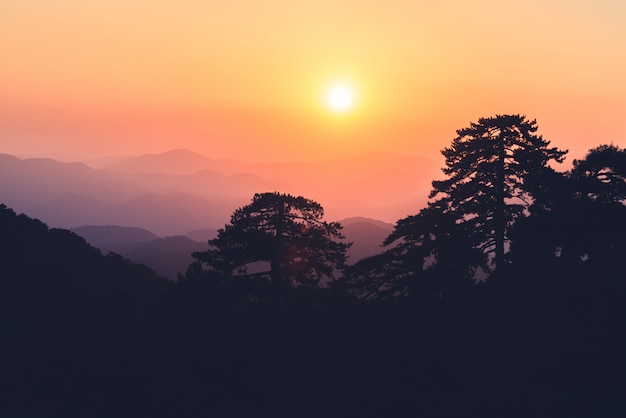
340 98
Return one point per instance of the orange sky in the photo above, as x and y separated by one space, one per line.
245 78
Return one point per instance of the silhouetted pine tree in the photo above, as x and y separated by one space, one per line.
496 169
493 167
280 229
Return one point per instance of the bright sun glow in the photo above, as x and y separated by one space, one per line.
340 98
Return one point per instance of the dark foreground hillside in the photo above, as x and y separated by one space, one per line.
87 335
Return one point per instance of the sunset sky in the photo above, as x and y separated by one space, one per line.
248 79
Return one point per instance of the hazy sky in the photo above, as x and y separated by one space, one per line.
246 78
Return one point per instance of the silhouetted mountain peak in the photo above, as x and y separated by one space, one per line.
11 161
362 219
8 158
104 235
202 235
366 235
176 161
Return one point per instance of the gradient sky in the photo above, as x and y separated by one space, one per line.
245 78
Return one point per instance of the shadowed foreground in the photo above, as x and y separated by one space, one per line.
86 335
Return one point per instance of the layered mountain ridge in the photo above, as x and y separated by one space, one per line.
179 191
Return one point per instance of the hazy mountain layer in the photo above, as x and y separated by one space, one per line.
172 255
366 235
165 194
104 236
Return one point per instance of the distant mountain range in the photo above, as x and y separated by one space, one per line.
177 161
106 237
366 235
180 190
169 256
72 194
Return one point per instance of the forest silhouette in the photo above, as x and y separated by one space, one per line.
505 296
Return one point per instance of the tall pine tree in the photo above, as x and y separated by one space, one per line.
493 168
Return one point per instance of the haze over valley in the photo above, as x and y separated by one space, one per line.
156 209
179 191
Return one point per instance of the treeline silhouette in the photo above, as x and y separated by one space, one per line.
504 297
